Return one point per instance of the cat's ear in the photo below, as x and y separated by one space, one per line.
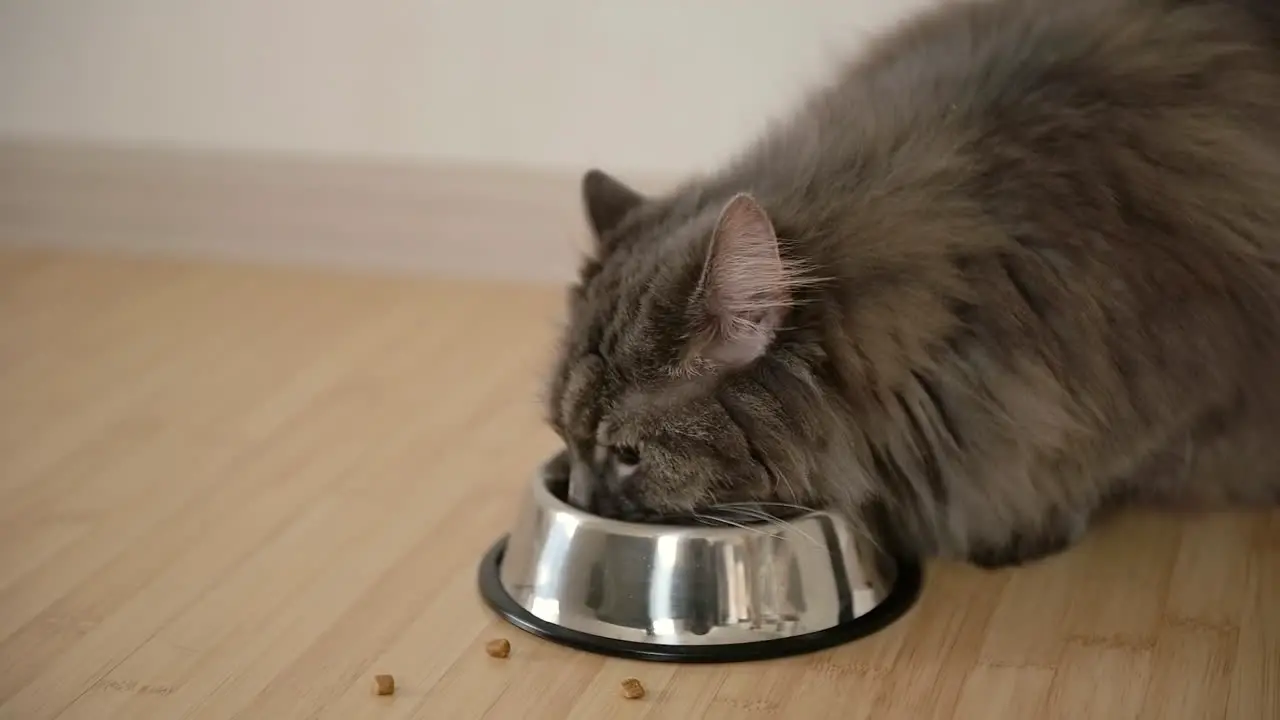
745 287
607 201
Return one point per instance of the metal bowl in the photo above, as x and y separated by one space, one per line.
690 593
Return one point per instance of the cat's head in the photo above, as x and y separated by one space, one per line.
683 383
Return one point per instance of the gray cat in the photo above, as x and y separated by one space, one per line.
1017 266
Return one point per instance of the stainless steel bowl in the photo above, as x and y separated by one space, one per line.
690 593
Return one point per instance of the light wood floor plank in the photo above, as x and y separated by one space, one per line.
236 492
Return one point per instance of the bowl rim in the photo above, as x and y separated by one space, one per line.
544 498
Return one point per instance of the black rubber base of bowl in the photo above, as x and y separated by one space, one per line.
900 600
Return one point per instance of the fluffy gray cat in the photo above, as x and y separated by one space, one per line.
1015 267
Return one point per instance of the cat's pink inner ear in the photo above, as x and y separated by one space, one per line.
745 289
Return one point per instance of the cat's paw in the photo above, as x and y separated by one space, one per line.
1024 548
1014 554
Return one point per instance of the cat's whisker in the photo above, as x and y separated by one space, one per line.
861 531
769 503
767 518
735 524
870 539
790 488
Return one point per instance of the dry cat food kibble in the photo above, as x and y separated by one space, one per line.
499 648
632 689
384 684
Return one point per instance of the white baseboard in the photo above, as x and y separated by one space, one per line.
495 223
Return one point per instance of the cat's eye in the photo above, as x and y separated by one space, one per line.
626 454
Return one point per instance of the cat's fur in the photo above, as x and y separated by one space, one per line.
1019 264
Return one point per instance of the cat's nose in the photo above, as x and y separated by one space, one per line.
605 506
616 507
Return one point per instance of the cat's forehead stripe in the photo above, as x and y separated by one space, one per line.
583 386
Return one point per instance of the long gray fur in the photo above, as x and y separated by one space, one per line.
1016 266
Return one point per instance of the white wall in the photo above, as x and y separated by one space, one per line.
648 85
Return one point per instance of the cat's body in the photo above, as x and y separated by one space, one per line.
1018 265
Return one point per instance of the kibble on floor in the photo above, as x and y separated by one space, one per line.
632 689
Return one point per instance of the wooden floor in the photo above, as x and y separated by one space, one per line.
238 493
